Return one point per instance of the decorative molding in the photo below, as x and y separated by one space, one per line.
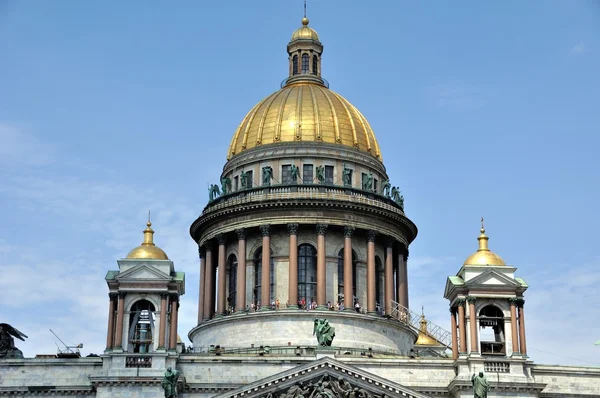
293 228
241 233
471 299
265 229
348 231
321 229
371 235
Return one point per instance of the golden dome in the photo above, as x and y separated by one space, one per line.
483 255
305 32
304 112
424 338
148 249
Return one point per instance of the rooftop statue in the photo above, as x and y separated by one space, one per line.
294 173
397 197
385 188
480 385
225 185
7 343
213 192
320 174
324 331
367 182
347 176
169 383
244 179
267 174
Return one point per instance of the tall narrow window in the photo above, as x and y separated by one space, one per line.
141 327
258 278
236 181
350 301
491 331
374 184
249 179
315 65
295 65
305 63
286 174
232 291
307 273
329 175
378 284
307 174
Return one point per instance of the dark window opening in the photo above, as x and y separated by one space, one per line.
249 179
328 174
374 184
295 65
379 304
315 65
305 62
236 181
491 331
286 174
307 174
232 266
141 327
307 274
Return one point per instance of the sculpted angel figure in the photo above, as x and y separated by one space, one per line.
324 331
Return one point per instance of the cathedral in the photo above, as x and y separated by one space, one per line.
303 252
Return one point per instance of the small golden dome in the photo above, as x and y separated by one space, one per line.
483 255
424 338
148 249
304 32
304 112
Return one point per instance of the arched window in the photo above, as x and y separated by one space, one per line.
305 59
141 327
315 65
307 273
491 331
232 266
295 65
341 278
258 278
378 285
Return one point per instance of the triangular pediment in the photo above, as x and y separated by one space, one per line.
323 377
492 278
143 272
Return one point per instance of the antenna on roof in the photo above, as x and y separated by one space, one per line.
69 351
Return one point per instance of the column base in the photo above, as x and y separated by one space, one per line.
375 313
292 307
118 350
322 308
108 350
263 309
349 310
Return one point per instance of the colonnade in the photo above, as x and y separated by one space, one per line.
206 305
114 338
459 342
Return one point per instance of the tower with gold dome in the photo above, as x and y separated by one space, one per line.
307 219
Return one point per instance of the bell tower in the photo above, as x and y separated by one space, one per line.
143 307
487 315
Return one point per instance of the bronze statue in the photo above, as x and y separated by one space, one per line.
397 197
324 331
169 383
347 176
480 385
225 185
267 174
294 173
7 343
320 170
385 188
367 183
213 192
244 179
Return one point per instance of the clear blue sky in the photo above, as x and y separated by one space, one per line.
108 109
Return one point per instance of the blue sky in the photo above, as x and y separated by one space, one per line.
109 109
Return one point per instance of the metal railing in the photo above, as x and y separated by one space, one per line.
413 319
297 351
138 362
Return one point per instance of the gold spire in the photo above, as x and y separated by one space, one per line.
483 255
148 249
424 338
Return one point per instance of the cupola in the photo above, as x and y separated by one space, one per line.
483 255
148 249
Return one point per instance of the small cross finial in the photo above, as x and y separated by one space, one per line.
423 310
148 223
482 227
304 8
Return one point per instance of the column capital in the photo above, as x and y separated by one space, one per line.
321 229
241 233
389 242
520 302
221 239
292 228
265 230
513 301
174 297
122 295
348 231
112 296
164 295
453 310
460 302
371 235
200 253
207 246
470 299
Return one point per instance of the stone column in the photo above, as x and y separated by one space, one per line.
120 314
110 335
371 235
265 297
513 325
389 277
321 267
293 266
407 305
473 322
461 326
163 320
200 289
208 283
521 304
348 276
453 330
402 288
173 330
222 267
240 304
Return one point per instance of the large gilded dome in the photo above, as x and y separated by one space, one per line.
305 112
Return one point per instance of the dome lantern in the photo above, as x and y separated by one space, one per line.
305 50
483 255
148 250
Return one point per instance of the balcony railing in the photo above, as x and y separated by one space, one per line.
496 367
138 362
492 348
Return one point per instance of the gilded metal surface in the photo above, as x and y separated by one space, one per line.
305 32
483 255
306 112
148 249
424 338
